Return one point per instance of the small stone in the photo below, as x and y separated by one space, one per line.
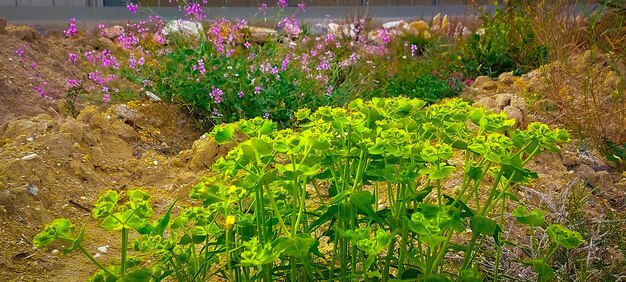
97 255
260 34
112 32
83 198
319 29
184 28
29 157
30 139
31 189
103 249
153 97
395 25
155 162
55 252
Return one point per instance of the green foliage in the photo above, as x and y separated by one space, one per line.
296 204
505 42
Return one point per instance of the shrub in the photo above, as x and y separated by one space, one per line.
504 42
357 193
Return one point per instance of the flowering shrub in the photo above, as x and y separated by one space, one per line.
351 194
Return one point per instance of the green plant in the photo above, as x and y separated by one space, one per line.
373 181
133 214
504 42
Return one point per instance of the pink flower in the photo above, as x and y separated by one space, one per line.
73 58
301 6
263 8
71 29
132 7
282 3
106 98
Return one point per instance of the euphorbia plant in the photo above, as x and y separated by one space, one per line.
390 186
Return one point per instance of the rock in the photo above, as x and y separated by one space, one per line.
418 26
318 29
103 249
126 113
345 30
31 189
112 32
506 78
29 157
153 97
97 255
484 83
3 26
204 154
397 25
517 114
25 33
585 172
182 28
260 34
602 180
55 252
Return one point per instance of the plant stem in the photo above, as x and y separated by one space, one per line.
96 262
124 254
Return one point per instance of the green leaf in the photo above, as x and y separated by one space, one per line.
544 271
137 275
339 197
534 218
76 243
164 220
223 133
59 228
104 205
262 147
328 215
564 236
482 225
113 222
363 200
432 240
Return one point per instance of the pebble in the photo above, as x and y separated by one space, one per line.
29 157
103 249
97 255
30 139
55 252
31 189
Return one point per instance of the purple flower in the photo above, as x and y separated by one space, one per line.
216 94
266 115
72 82
247 45
240 94
106 98
282 3
285 62
194 11
257 89
71 29
301 6
200 67
73 58
40 91
263 8
413 50
132 7
20 51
